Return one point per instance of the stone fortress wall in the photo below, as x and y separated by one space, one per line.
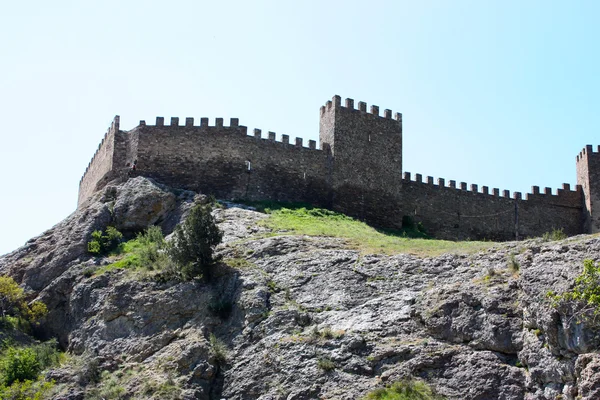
101 164
357 170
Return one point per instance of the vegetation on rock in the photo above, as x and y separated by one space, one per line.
22 359
555 234
321 222
404 390
584 298
13 304
147 252
188 255
194 241
103 243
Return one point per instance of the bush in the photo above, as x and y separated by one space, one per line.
152 243
12 297
513 264
25 363
325 364
13 304
584 298
218 349
404 390
221 308
194 241
555 234
19 364
86 368
102 243
26 390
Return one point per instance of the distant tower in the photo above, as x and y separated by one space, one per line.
366 151
588 176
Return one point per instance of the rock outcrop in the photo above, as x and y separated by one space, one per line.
310 318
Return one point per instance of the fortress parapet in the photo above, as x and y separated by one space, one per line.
355 169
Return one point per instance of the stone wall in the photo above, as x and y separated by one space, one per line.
451 211
101 165
225 161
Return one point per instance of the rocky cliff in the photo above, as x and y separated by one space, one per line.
305 317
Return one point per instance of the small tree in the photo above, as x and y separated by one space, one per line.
12 297
13 302
194 241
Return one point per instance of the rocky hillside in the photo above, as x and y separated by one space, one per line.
299 317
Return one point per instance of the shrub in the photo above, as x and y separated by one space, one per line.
111 388
221 308
327 333
513 264
584 298
194 241
25 363
555 234
26 390
102 243
86 368
46 353
13 304
12 297
152 242
404 390
218 349
325 364
407 222
19 364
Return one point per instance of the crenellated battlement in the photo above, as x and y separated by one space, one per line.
336 103
112 129
101 163
356 168
189 123
587 151
233 127
564 192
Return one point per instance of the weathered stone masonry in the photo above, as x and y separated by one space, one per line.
357 170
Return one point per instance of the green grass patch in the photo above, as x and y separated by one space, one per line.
404 390
239 263
146 251
322 222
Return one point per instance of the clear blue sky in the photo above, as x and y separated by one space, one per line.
498 93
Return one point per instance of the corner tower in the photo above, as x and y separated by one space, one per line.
366 154
588 176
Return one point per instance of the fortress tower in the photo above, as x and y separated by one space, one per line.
588 176
366 150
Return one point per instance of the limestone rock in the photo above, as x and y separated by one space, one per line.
140 203
310 318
